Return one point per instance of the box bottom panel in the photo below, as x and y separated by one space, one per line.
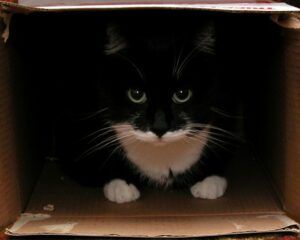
59 206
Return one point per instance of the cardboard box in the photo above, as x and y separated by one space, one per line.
36 198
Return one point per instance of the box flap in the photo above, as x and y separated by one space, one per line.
256 6
172 227
59 206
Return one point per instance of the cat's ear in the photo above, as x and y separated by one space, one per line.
115 42
205 40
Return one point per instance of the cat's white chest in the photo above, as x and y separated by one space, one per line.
158 161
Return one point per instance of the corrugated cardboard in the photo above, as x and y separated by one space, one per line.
60 206
292 121
18 170
9 200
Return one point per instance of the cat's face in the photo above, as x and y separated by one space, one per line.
160 80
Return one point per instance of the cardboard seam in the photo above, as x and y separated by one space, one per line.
281 230
279 213
276 193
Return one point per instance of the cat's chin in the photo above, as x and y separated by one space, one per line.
159 143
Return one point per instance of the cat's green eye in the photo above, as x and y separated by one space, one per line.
182 96
137 96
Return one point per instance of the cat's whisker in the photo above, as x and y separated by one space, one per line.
174 65
101 130
112 139
225 114
186 60
209 140
218 145
106 143
215 138
98 136
175 69
108 131
86 154
94 114
114 151
203 142
126 141
199 139
210 133
214 128
116 138
132 64
174 57
101 135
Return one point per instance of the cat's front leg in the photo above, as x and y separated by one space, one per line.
119 191
211 187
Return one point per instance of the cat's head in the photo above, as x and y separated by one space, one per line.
161 78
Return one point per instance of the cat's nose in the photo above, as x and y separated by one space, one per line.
160 125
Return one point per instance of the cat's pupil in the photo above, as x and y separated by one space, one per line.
182 95
137 95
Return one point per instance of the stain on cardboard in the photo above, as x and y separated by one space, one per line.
49 208
238 227
26 218
282 218
59 228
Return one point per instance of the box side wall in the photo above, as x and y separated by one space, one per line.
278 118
27 108
10 200
270 111
21 117
262 96
291 168
273 114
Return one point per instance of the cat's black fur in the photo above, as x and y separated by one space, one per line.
152 46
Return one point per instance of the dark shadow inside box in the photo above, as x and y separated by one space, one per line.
58 58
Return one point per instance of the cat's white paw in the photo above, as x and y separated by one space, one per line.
211 187
119 191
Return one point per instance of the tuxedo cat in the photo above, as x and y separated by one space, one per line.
162 112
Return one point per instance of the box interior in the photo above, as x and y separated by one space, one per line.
50 58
